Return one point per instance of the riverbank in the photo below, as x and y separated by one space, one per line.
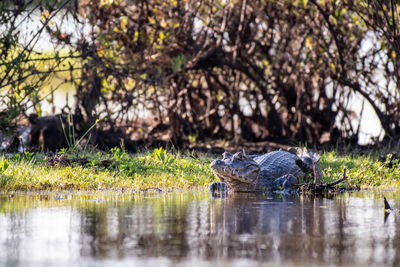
159 169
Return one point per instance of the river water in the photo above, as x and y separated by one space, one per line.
194 229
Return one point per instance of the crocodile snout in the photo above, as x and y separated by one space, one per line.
216 162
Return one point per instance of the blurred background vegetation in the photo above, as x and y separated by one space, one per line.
191 71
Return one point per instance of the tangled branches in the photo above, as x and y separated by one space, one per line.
240 70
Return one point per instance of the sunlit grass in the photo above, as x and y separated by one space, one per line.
165 170
136 172
365 171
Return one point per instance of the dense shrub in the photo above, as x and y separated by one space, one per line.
199 70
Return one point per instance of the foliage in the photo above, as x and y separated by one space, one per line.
252 70
25 70
4 165
165 159
29 155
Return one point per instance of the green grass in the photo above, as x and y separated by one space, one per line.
365 171
137 172
164 170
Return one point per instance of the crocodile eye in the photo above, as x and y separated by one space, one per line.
226 155
239 156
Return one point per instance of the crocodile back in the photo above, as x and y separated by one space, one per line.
278 163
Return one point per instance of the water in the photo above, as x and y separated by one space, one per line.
181 229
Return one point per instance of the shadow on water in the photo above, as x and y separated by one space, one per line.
192 228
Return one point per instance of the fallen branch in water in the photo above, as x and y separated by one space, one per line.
331 184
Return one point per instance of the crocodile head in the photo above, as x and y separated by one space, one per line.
311 160
238 171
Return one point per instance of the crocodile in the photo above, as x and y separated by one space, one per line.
275 170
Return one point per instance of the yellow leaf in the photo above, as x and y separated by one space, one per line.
151 20
220 95
100 51
124 23
265 63
45 15
308 42
104 83
106 2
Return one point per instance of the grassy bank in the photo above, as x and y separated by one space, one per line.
91 170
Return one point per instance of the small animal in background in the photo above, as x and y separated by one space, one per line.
47 133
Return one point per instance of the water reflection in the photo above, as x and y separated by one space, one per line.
192 228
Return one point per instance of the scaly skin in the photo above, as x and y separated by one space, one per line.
278 169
